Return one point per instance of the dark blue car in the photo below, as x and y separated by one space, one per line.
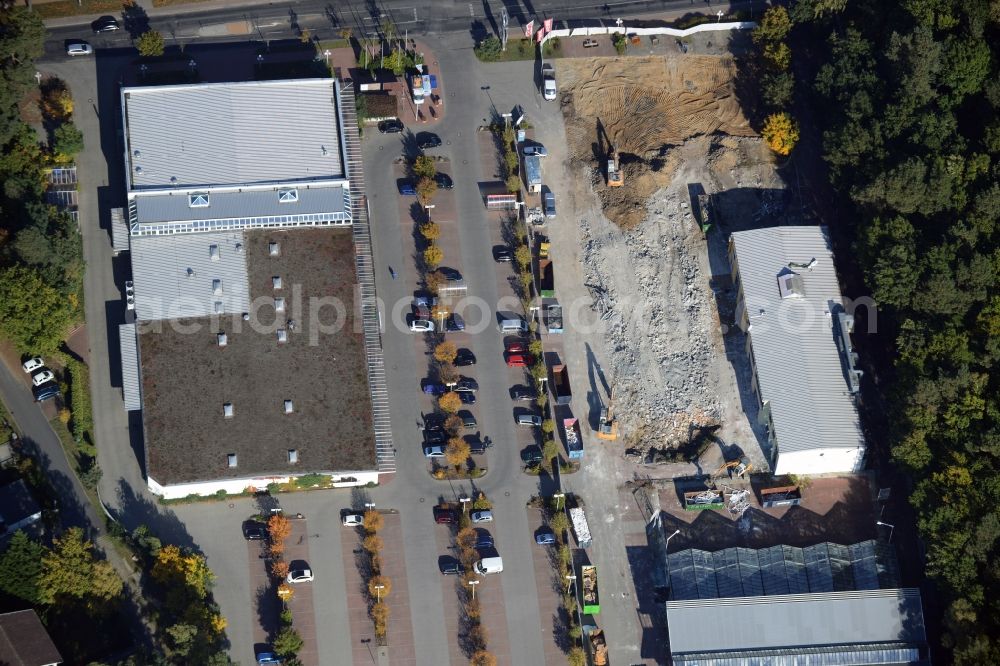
432 388
406 189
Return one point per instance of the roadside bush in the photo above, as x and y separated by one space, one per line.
465 539
513 184
535 347
548 426
482 503
434 281
286 617
68 141
83 414
576 655
538 371
489 50
510 160
473 609
522 255
559 524
620 42
565 556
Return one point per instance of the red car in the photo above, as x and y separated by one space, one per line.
519 360
444 515
516 347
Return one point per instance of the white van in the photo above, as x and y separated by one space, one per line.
489 565
513 326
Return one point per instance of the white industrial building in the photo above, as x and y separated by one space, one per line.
798 341
209 167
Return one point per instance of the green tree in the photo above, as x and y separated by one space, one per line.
522 255
576 656
150 44
426 189
559 524
773 27
288 642
22 41
21 568
33 315
489 50
70 570
68 140
513 184
433 255
424 166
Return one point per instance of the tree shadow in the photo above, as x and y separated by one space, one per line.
135 510
135 20
65 490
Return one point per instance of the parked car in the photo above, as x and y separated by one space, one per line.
353 520
47 392
444 515
435 437
531 455
433 388
468 420
105 24
422 326
549 204
534 149
467 384
481 516
525 393
502 254
467 397
33 364
516 347
444 181
477 445
450 274
450 566
435 451
545 538
529 420
254 531
300 576
484 539
454 323
43 377
79 49
268 659
425 300
392 126
465 357
519 360
407 189
427 140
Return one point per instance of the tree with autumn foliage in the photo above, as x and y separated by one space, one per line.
445 352
781 133
457 452
450 402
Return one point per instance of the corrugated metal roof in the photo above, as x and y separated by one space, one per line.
127 343
248 203
232 133
174 275
119 230
796 621
799 369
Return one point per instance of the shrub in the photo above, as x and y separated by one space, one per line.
482 503
538 371
535 347
450 402
559 524
373 521
565 556
522 255
466 538
473 609
549 449
548 426
310 480
433 256
510 159
150 44
620 42
489 50
430 230
513 184
576 655
445 352
542 400
286 616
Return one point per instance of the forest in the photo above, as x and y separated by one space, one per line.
905 97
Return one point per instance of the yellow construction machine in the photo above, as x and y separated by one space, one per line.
609 426
615 176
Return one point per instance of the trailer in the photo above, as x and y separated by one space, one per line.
574 442
546 278
591 601
580 527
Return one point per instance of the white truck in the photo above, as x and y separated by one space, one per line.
548 82
580 527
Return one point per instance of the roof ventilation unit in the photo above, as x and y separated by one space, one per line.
274 249
276 282
223 339
227 410
279 305
282 336
198 200
190 272
288 196
217 287
231 458
289 407
239 247
218 307
213 252
293 456
790 284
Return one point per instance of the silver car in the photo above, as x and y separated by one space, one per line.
79 48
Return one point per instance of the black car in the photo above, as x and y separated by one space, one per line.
444 181
46 392
477 445
468 384
254 531
393 126
454 323
427 140
450 274
531 455
435 436
502 254
464 357
105 24
484 539
522 393
467 397
450 566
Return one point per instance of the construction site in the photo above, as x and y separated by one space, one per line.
662 164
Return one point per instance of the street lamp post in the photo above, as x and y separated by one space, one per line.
378 593
571 578
465 501
559 497
891 528
666 547
472 584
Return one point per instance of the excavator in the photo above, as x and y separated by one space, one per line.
739 467
609 426
613 168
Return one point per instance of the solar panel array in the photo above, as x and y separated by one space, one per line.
745 572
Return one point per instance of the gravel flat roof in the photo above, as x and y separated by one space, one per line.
188 377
